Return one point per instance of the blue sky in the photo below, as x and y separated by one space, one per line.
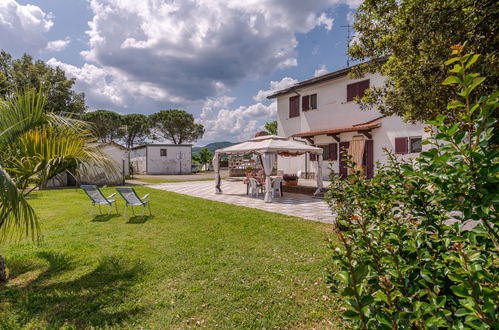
217 59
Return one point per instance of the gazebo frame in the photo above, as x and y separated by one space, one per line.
268 147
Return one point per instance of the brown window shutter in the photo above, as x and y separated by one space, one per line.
351 91
294 106
369 150
333 151
363 85
401 145
305 103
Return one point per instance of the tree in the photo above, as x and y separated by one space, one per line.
35 146
204 158
271 127
107 124
25 73
138 128
177 126
413 35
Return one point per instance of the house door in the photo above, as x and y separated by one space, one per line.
367 161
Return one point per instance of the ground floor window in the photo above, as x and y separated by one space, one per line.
415 144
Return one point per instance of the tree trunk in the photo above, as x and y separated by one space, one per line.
3 273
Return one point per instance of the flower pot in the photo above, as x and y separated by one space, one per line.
291 182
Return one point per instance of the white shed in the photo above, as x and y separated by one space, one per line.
115 152
161 159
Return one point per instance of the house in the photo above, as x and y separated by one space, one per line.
161 159
117 153
322 111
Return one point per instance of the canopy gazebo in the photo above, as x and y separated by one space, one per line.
267 147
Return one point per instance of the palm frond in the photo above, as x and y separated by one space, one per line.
43 152
17 217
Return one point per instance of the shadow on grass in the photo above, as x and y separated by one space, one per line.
104 217
101 297
138 219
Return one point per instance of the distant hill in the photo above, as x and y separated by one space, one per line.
213 146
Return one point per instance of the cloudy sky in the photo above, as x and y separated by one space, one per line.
217 59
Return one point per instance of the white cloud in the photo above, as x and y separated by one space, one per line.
57 45
325 20
23 27
197 49
322 70
275 86
238 124
109 86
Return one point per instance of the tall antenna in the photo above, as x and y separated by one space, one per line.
349 39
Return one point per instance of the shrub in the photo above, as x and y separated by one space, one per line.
421 245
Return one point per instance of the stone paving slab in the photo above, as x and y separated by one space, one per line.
297 205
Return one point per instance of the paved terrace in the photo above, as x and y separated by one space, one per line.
298 205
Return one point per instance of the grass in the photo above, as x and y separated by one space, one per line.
160 180
194 263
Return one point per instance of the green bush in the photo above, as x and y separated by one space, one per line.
420 242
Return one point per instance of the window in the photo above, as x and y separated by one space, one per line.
404 145
329 151
357 89
415 144
325 151
162 152
294 106
309 102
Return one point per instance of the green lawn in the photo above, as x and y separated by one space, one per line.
195 263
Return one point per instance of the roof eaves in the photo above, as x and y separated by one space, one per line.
328 76
358 127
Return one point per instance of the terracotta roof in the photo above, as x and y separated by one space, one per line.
353 128
320 79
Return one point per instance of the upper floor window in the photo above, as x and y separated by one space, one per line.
309 102
162 152
357 89
294 106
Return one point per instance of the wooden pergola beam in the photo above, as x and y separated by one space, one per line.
367 133
335 136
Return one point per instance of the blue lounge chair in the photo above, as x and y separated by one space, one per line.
131 198
97 197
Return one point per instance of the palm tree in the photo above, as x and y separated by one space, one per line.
35 146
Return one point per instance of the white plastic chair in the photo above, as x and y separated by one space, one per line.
131 198
255 187
277 187
98 198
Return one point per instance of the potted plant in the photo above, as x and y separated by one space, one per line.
290 179
249 170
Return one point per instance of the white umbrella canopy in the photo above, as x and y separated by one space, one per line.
270 144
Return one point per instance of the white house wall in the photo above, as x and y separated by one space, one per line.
332 108
383 137
168 164
333 111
